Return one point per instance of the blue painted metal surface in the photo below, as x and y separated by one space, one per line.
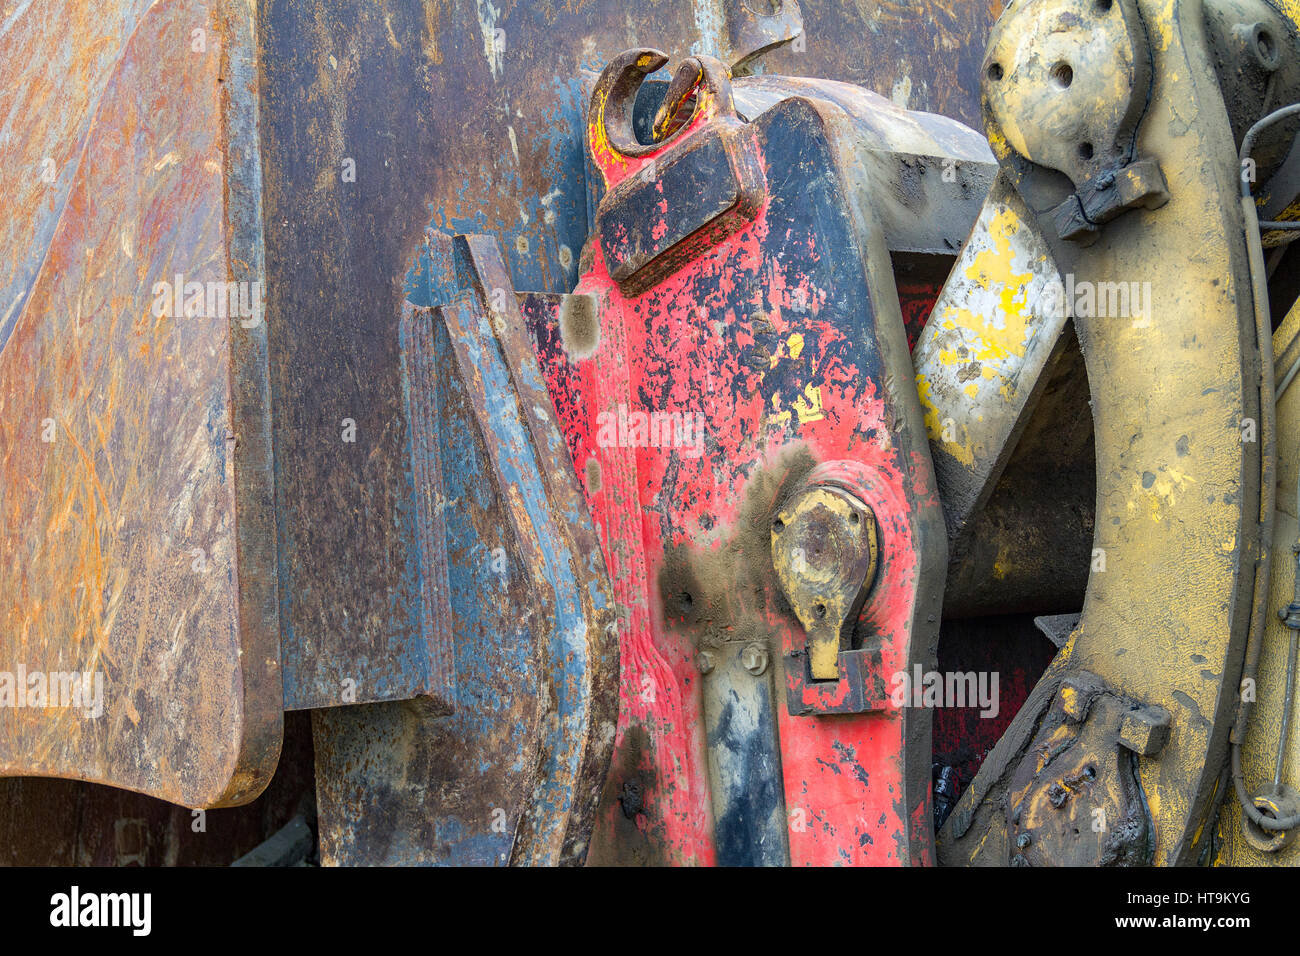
518 608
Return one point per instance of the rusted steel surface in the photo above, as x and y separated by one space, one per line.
525 612
772 328
137 544
144 551
59 58
466 121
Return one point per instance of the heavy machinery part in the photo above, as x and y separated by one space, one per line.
1078 800
376 78
1252 42
983 357
1182 467
1267 760
349 612
751 33
753 308
137 553
291 845
52 822
1098 74
1028 550
1015 480
380 120
520 602
1057 628
739 701
826 551
1005 654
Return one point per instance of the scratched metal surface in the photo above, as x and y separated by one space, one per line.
129 441
467 118
513 772
340 81
753 337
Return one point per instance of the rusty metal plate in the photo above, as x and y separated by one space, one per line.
380 120
136 550
525 613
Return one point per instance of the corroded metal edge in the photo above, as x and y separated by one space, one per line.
256 565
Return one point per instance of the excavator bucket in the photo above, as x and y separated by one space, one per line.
141 642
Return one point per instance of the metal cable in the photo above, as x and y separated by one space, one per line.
1252 134
1263 331
1247 145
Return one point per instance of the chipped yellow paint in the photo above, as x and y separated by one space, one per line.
1160 29
1069 696
795 345
984 341
964 450
1006 332
1285 337
1164 492
993 269
1153 795
602 149
807 405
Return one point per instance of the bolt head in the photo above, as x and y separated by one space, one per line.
1145 731
704 661
754 659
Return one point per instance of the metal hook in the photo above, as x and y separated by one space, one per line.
614 98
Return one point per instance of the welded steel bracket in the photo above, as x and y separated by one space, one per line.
826 552
515 594
1069 95
1076 797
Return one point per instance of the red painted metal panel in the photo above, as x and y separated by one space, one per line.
765 345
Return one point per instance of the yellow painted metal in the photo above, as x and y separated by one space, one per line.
1263 736
981 359
1260 746
827 569
1180 444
